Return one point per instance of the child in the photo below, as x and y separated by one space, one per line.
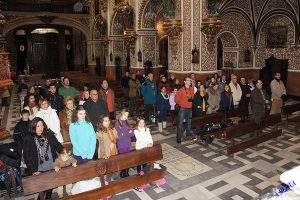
163 107
82 135
30 104
21 128
107 137
125 133
200 104
143 140
173 109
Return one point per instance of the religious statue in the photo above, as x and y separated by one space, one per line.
195 55
140 55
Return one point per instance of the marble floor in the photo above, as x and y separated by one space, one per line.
197 172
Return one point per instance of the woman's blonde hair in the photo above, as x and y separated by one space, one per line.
68 98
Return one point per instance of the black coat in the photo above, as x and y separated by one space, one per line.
56 101
30 152
226 103
258 104
198 103
20 131
95 110
244 102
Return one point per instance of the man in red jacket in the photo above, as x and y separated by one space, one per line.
184 98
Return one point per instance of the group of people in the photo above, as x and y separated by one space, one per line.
51 120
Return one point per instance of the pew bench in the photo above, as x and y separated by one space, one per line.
288 110
98 168
240 129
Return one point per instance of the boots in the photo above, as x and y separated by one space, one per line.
164 124
160 127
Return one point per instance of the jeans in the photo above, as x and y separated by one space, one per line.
185 115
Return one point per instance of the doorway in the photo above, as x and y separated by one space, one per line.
164 53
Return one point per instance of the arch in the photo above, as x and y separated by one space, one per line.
270 15
22 21
228 35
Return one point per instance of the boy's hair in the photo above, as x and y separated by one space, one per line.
23 112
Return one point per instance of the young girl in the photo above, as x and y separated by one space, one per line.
143 140
200 104
107 137
30 104
163 107
125 133
173 109
83 136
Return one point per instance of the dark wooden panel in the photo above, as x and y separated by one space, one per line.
244 145
120 186
289 109
52 179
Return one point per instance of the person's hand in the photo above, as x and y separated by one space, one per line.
248 95
36 173
56 169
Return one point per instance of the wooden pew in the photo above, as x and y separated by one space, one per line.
98 168
232 132
288 110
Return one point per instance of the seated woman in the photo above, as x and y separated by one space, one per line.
65 118
200 104
82 135
30 104
40 149
50 117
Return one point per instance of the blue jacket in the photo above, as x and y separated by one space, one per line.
149 92
226 103
162 103
83 139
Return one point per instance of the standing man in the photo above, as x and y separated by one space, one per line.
134 87
184 98
108 95
67 90
125 84
149 92
235 90
278 91
95 107
245 99
258 102
56 101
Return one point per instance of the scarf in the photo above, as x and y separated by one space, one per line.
69 114
165 96
202 94
42 146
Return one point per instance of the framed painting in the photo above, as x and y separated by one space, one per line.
276 37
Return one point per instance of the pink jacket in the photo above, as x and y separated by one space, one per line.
172 100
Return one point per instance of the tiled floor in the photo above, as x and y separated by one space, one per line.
197 172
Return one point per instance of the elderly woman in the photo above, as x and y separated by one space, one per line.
40 149
65 118
50 117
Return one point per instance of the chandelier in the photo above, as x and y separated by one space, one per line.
211 26
169 27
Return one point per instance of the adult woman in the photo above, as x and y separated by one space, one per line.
82 135
214 98
30 104
65 118
40 149
226 103
200 104
50 117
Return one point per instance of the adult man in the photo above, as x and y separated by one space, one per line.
184 98
258 102
95 107
125 83
149 92
278 90
67 90
56 101
134 87
222 83
140 77
245 99
235 90
107 94
172 81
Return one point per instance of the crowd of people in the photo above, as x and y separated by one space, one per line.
55 114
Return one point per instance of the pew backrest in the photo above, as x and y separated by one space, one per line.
96 168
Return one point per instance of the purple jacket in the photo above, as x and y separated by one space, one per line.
125 132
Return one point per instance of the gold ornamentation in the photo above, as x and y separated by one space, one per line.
211 26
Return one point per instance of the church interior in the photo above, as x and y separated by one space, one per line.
89 41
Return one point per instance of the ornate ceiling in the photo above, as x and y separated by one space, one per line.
257 12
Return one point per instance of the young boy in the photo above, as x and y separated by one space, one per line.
22 127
